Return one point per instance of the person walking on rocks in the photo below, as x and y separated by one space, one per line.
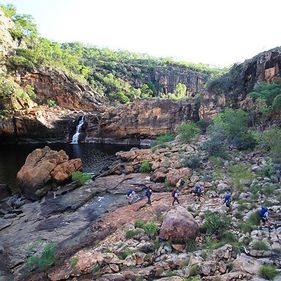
175 195
263 214
198 191
148 193
130 196
227 199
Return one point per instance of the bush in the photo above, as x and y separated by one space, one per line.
276 104
151 229
133 233
268 271
194 270
216 223
81 177
139 224
145 166
254 218
163 139
229 237
240 173
216 144
191 245
260 245
51 103
187 131
125 253
193 161
73 261
46 259
270 139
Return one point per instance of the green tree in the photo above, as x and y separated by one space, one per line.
180 90
266 91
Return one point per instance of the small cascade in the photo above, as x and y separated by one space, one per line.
75 137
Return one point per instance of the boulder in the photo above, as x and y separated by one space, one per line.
246 264
178 225
174 175
42 167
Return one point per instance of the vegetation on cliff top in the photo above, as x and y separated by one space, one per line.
120 75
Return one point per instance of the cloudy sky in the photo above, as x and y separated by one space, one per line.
216 32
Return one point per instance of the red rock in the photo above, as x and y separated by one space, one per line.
178 224
174 175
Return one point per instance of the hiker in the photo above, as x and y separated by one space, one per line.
175 195
130 196
263 214
198 191
148 193
227 199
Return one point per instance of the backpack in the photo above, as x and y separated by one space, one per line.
148 192
197 189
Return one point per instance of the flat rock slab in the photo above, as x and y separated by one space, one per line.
5 223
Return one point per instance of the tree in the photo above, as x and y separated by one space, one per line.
180 90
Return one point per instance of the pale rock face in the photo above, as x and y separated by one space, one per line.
246 264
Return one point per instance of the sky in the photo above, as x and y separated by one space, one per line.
215 32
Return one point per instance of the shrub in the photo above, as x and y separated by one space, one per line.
163 139
81 177
246 227
139 224
270 139
191 245
254 218
167 185
194 270
216 144
125 253
151 229
202 124
268 271
73 261
145 166
187 131
216 223
229 237
239 174
46 259
260 245
51 103
131 233
266 91
276 104
193 161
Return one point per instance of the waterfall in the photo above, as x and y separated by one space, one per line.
75 137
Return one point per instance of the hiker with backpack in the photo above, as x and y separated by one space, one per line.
148 193
198 191
227 199
130 196
263 214
175 195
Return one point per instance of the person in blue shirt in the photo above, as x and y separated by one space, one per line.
227 199
148 193
263 214
198 191
130 196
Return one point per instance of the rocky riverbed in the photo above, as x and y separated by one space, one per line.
100 237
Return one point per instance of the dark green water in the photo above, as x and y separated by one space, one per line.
94 158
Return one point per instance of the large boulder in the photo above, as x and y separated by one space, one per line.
174 175
43 167
178 225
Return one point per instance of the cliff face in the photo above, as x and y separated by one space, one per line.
231 89
58 86
139 120
165 78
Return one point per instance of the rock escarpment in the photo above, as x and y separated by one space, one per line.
231 89
139 120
